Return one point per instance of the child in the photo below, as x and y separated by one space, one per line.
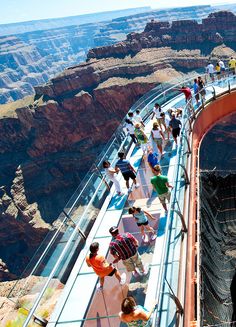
101 267
141 218
110 173
141 137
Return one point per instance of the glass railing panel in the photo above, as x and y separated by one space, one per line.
27 296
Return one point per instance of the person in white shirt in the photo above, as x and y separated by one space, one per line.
157 112
138 118
222 67
157 137
129 126
110 174
167 128
210 70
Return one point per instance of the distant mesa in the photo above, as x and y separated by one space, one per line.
31 53
217 28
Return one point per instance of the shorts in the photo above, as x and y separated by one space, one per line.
133 262
143 224
129 175
163 197
175 132
218 73
112 272
158 141
160 121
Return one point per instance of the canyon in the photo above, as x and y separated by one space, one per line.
31 53
49 140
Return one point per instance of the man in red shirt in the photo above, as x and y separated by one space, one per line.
187 92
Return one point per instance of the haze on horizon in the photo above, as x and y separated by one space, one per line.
13 11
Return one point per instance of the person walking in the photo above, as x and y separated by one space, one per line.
218 71
129 126
201 86
210 70
196 90
125 247
157 137
161 186
127 170
166 120
110 174
141 218
138 118
135 315
222 67
101 267
232 65
157 113
152 158
141 137
175 125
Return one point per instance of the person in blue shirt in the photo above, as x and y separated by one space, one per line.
141 218
152 159
127 170
196 90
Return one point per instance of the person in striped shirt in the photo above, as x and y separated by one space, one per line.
127 170
125 247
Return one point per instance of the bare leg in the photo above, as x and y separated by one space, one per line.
150 229
164 206
117 275
142 230
101 281
159 148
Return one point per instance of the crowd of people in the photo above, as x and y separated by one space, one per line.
219 69
124 246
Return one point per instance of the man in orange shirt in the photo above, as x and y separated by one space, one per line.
101 267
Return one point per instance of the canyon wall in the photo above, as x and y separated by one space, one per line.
31 58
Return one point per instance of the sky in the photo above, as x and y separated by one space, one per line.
23 10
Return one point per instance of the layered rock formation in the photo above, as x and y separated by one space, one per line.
32 58
49 141
218 28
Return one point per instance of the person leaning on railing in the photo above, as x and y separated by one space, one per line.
135 315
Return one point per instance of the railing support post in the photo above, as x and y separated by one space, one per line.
79 230
188 145
184 227
187 181
179 306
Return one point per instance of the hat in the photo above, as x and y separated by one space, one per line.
113 230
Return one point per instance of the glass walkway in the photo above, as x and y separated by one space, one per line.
60 290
